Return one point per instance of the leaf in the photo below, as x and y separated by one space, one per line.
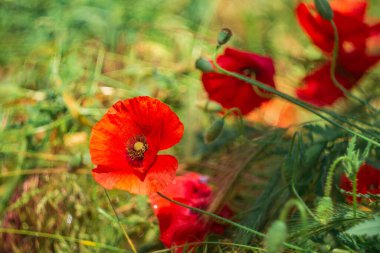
369 228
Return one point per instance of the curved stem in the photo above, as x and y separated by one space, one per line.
302 202
330 175
240 116
333 68
289 205
121 225
217 217
291 99
215 243
61 237
354 197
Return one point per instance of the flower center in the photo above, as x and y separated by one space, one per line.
136 147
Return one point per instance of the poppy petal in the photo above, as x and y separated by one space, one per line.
160 175
159 122
231 92
110 135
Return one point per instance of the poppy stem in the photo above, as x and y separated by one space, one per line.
121 225
217 217
333 68
354 197
289 205
293 100
330 175
240 116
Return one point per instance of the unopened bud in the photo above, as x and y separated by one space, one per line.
214 131
276 237
204 65
324 9
224 36
324 210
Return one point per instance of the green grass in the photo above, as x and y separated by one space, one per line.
63 63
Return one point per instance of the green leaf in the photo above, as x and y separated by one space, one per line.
368 228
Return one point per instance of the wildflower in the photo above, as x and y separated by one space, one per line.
368 181
125 142
179 225
231 92
353 57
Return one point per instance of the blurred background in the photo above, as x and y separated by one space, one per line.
63 63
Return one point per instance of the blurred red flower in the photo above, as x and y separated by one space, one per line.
125 142
179 225
368 181
353 58
231 92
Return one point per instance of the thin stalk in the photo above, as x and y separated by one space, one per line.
291 99
61 237
121 225
217 217
354 197
302 202
330 175
290 204
333 67
212 243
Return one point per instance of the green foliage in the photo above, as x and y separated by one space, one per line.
369 228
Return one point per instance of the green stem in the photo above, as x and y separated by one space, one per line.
217 217
60 237
240 116
289 205
302 202
291 99
330 175
121 225
215 243
354 197
333 67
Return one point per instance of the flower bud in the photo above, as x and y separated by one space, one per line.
324 210
214 131
276 237
204 65
324 9
224 36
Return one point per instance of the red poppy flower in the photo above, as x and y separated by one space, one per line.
231 92
368 181
125 142
319 88
353 59
179 225
348 17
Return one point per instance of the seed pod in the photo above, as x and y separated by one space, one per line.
204 65
324 210
214 131
276 237
324 9
224 36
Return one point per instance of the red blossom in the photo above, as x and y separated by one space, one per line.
179 225
368 181
353 57
125 142
231 92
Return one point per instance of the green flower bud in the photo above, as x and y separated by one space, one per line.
214 131
324 9
276 237
324 210
224 36
204 65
